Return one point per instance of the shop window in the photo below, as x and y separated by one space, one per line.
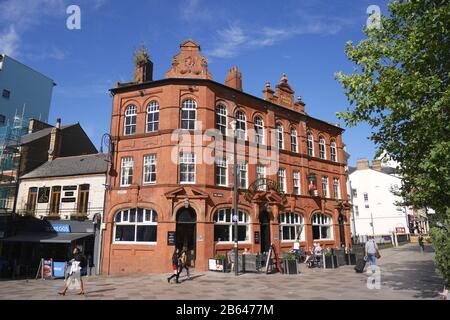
136 225
224 226
322 227
291 226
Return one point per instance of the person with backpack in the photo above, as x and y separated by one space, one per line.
372 253
77 264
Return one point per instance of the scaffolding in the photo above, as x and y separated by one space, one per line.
10 136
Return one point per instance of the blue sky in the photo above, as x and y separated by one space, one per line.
305 39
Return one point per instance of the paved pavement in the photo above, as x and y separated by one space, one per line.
406 273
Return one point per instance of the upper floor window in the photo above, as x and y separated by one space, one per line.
221 119
355 193
187 168
322 148
260 174
336 188
150 168
126 173
242 174
333 151
356 211
259 130
130 120
296 182
291 226
325 187
2 120
188 114
6 93
310 145
136 225
280 139
282 179
221 172
293 140
366 200
241 120
153 116
224 226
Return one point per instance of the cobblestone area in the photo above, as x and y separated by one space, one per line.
406 273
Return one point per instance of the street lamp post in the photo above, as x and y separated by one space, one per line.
235 199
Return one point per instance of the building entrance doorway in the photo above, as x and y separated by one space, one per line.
264 220
186 231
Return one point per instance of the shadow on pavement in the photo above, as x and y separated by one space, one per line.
417 276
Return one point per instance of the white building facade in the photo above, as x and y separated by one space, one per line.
375 209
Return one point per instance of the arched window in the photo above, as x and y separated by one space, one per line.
224 226
333 151
322 148
322 226
221 119
130 120
153 116
259 130
293 140
241 125
188 114
280 139
310 145
291 226
135 225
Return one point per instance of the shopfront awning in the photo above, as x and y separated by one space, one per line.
46 237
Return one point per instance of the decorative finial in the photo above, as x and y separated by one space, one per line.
267 84
141 56
283 78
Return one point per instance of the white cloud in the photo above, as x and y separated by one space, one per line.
234 39
20 16
9 41
192 11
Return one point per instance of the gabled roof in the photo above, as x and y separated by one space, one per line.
71 166
40 134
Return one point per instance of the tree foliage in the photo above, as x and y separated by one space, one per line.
400 86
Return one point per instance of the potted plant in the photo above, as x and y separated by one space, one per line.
330 260
290 263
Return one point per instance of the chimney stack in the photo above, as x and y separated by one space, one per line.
54 147
362 164
234 79
143 71
376 165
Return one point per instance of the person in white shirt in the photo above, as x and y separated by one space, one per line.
371 252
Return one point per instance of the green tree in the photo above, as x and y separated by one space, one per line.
400 87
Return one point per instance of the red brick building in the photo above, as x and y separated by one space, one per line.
154 200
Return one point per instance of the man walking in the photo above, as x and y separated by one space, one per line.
372 253
421 243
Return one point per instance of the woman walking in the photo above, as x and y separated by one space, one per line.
175 258
75 279
185 262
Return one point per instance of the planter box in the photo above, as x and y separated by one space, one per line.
330 262
350 259
290 266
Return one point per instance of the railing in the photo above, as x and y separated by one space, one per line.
63 213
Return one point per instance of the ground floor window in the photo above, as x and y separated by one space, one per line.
224 226
322 227
136 225
291 227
